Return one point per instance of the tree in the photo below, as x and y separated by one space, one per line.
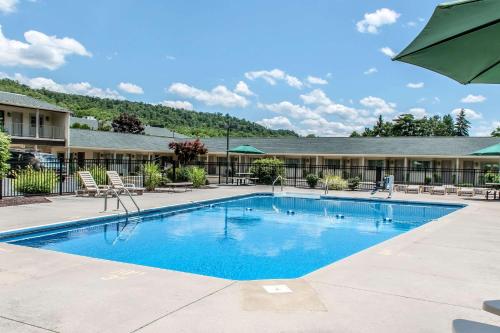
311 135
4 153
462 124
496 132
187 151
404 125
127 123
355 135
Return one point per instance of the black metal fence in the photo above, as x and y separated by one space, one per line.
60 177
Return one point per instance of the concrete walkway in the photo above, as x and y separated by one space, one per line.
417 282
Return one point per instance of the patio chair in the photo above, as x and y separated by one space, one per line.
90 187
415 189
441 190
466 192
117 184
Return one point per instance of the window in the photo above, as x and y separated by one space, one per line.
488 166
2 119
292 162
332 163
420 165
372 164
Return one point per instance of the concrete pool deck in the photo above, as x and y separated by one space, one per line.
417 282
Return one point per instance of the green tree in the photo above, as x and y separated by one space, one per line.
355 134
462 124
496 132
404 125
4 153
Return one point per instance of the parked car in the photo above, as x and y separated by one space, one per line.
20 159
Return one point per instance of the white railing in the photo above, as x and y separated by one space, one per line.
51 132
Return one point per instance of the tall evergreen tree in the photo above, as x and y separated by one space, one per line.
404 125
496 132
462 124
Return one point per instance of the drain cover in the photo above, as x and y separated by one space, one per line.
277 289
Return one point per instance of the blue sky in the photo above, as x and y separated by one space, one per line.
320 67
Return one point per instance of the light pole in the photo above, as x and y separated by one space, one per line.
228 129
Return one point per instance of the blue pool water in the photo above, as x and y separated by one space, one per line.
255 237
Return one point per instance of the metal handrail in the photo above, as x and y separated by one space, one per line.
282 179
120 201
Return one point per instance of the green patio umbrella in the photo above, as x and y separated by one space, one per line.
461 41
246 149
488 151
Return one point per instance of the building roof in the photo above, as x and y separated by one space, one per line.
118 141
28 102
398 146
161 131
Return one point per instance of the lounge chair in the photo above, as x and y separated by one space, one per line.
441 190
451 189
465 192
413 189
480 190
90 187
119 186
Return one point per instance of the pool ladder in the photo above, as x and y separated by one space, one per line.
281 183
120 201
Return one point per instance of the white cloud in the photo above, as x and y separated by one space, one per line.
416 85
418 112
278 122
379 105
316 80
370 71
485 128
473 99
178 104
317 96
218 96
242 88
373 21
388 52
273 76
170 57
329 75
80 88
8 6
288 108
130 88
470 114
39 51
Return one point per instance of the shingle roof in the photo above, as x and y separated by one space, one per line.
399 146
160 131
29 102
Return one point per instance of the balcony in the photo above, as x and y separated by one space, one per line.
44 132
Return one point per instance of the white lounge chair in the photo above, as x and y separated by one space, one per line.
413 189
89 185
466 192
117 184
441 190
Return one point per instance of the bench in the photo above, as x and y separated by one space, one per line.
173 186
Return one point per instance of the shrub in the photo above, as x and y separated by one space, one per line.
335 182
181 174
427 180
267 169
312 180
30 181
197 176
152 175
99 174
4 153
353 183
491 177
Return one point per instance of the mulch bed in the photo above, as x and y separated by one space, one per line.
16 201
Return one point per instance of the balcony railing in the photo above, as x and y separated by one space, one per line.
51 132
45 132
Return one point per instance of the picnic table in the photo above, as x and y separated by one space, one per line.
243 178
494 187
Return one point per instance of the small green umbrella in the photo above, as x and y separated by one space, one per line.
461 41
246 149
488 151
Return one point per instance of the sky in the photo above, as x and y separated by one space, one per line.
318 67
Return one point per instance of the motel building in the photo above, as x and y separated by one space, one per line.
37 125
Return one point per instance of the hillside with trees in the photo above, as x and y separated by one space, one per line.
192 123
407 125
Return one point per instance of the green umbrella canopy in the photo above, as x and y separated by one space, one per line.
488 151
461 41
246 149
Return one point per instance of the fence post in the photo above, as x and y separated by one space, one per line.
295 175
174 175
218 166
1 187
61 163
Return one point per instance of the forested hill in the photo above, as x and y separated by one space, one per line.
186 122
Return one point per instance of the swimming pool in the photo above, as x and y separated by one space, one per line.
243 238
